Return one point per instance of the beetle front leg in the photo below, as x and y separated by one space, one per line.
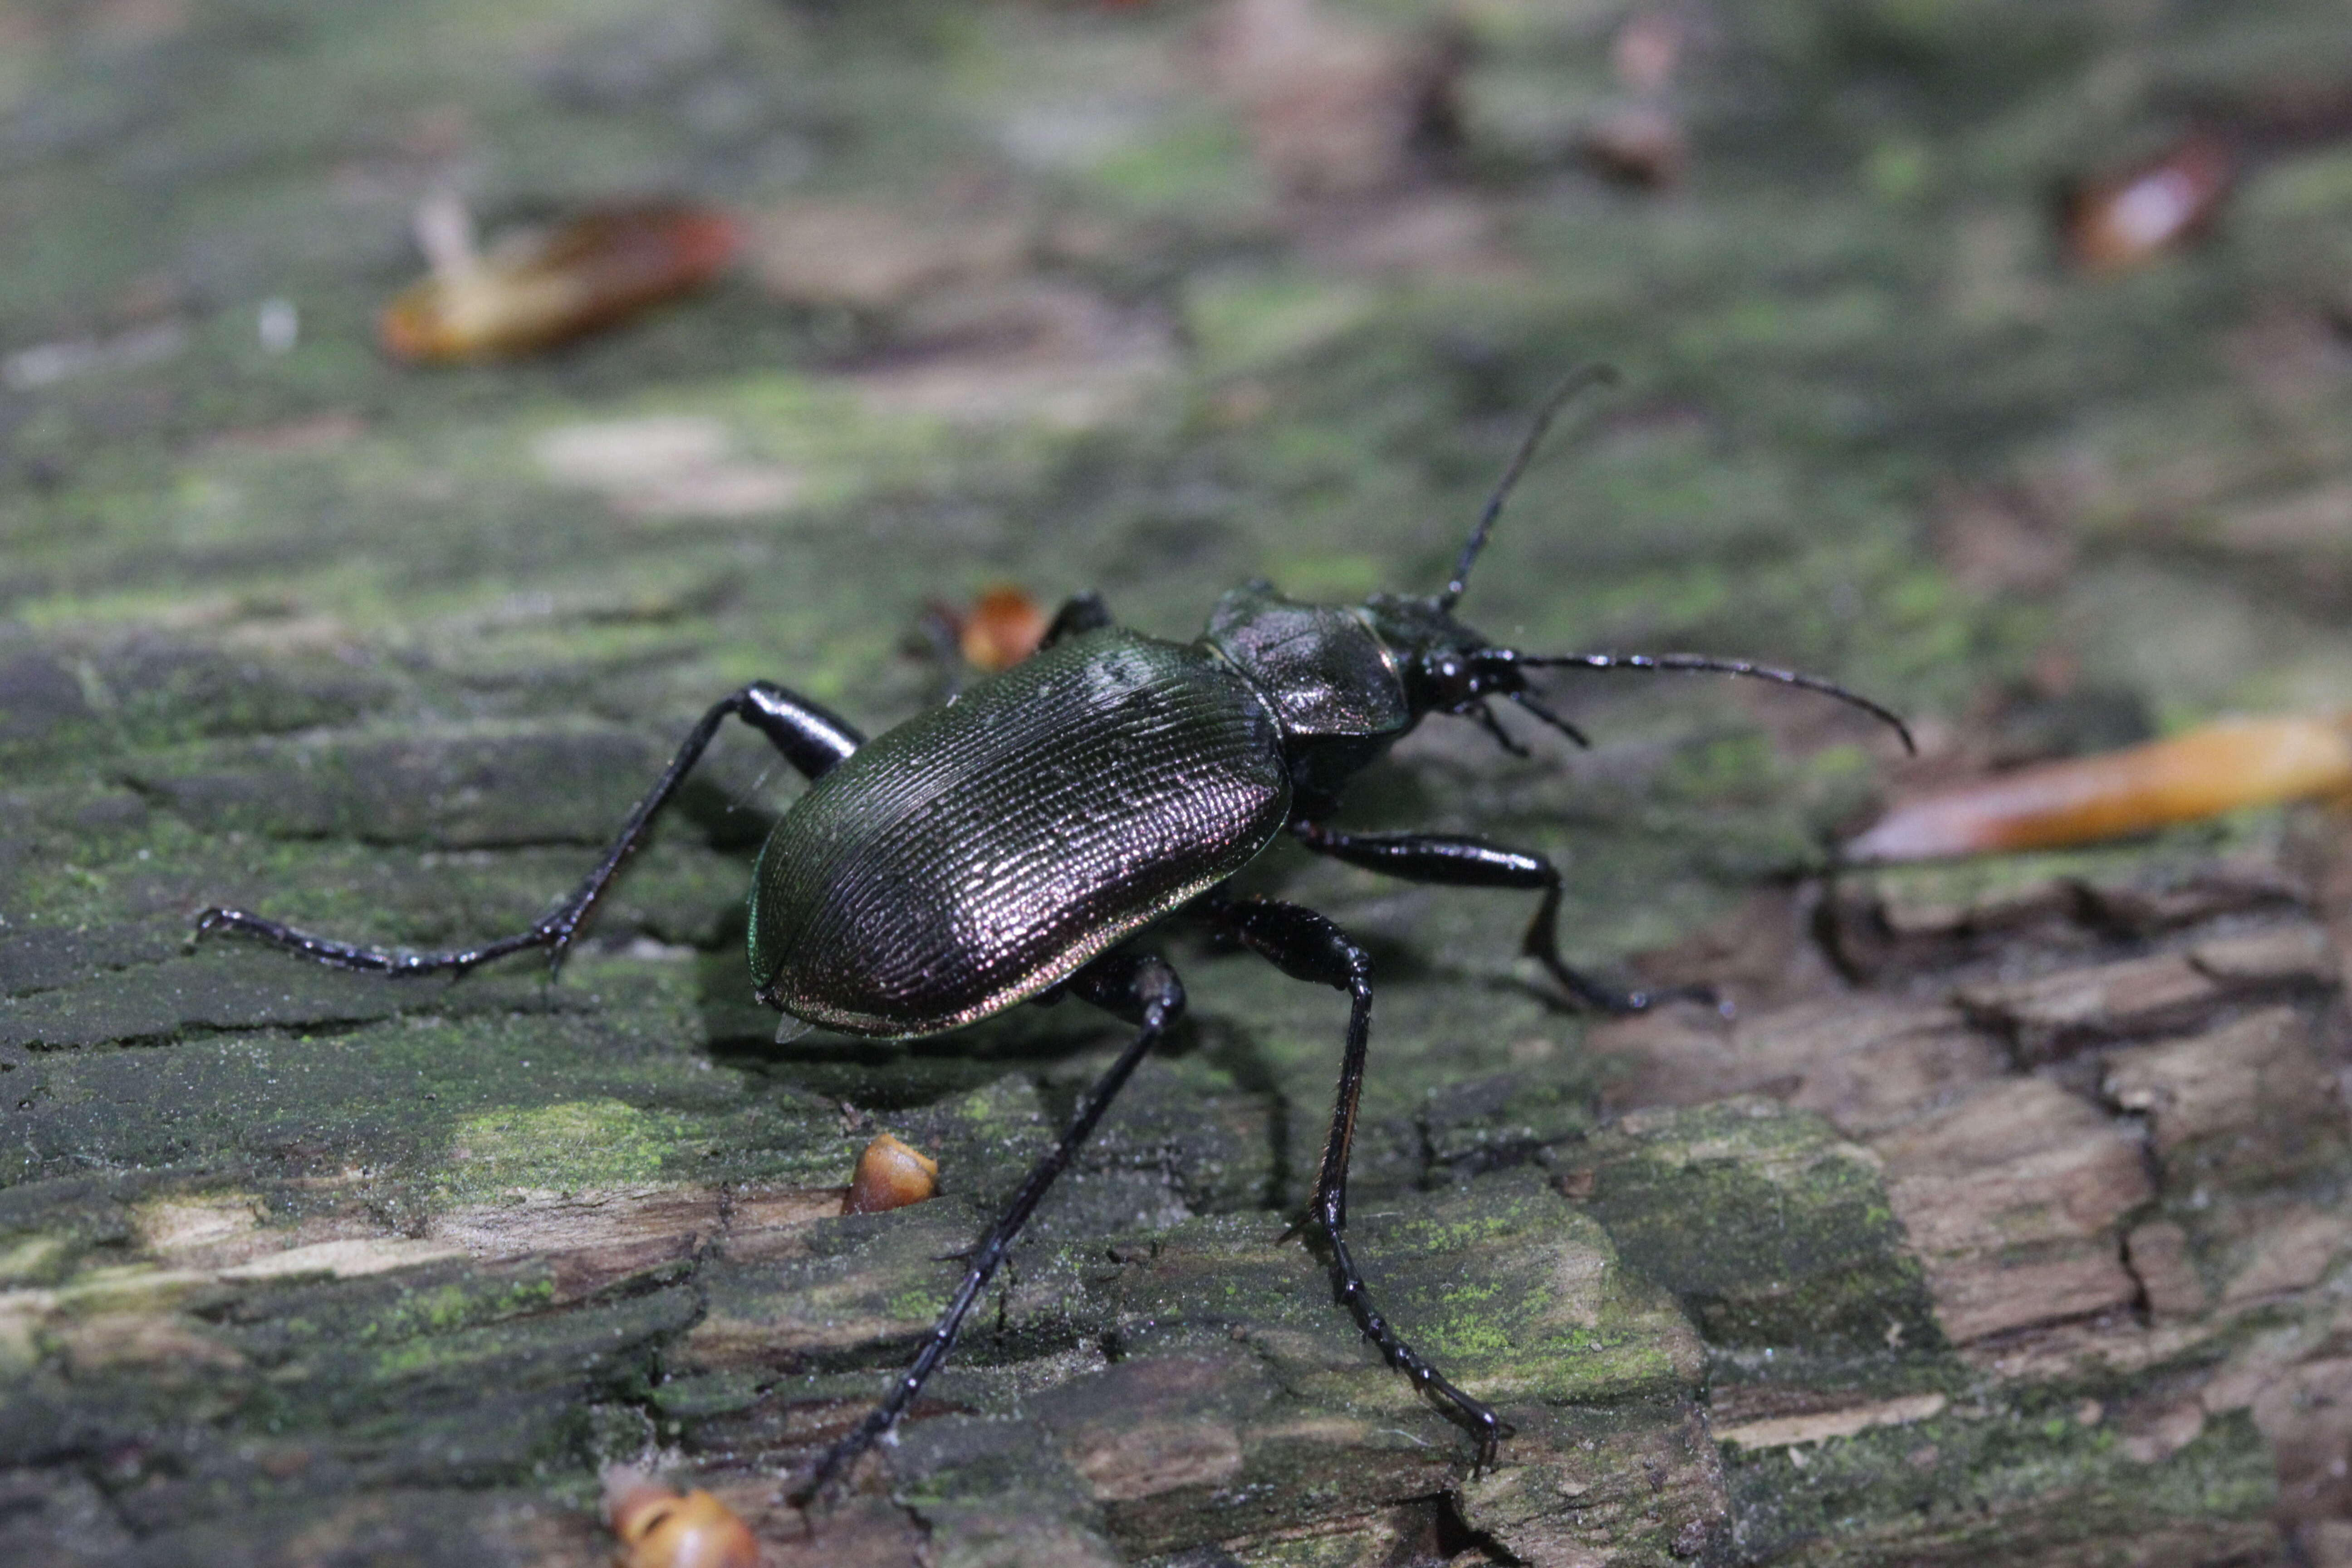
1138 987
1459 861
1305 946
811 737
1079 613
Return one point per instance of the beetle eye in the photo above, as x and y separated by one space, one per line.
1450 679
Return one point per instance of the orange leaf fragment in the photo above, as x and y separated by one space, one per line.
540 289
2112 225
2204 772
891 1176
662 1529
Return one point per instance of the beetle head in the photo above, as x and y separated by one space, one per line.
1344 684
1449 668
1446 668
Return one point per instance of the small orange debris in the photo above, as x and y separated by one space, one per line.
2204 772
1004 627
891 1176
2113 224
660 1529
538 290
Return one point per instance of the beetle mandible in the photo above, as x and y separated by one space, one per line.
1002 849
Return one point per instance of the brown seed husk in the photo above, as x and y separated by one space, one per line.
891 1176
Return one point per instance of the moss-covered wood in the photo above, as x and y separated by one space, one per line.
2003 1226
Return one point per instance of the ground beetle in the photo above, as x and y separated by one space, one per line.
1002 849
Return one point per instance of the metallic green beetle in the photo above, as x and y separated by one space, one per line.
1003 848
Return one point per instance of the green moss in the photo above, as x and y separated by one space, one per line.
444 1308
2005 1476
1773 1231
1253 321
1195 161
569 1146
1983 891
32 1260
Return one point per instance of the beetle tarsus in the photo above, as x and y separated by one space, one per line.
1622 1002
351 955
1307 946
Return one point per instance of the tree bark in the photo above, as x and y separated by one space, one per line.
2003 1224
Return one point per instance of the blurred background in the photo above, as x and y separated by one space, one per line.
1156 296
411 416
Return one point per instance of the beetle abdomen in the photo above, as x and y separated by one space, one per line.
979 853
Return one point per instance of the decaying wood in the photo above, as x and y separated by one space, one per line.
2003 1226
2118 1178
1853 1249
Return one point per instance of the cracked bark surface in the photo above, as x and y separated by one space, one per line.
2005 1223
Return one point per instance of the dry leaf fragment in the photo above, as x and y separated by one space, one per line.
2113 224
2204 772
535 290
1334 108
1638 143
1647 50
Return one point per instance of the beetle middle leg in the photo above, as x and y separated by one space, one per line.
811 737
1305 946
1138 987
1460 861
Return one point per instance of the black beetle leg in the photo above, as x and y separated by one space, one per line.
1305 946
1494 727
1079 613
1460 861
811 737
1143 990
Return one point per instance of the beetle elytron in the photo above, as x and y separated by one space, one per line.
1003 848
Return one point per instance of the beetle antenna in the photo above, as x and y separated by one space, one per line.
1682 661
1583 376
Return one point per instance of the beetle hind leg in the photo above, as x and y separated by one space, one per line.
1305 946
811 737
1138 987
